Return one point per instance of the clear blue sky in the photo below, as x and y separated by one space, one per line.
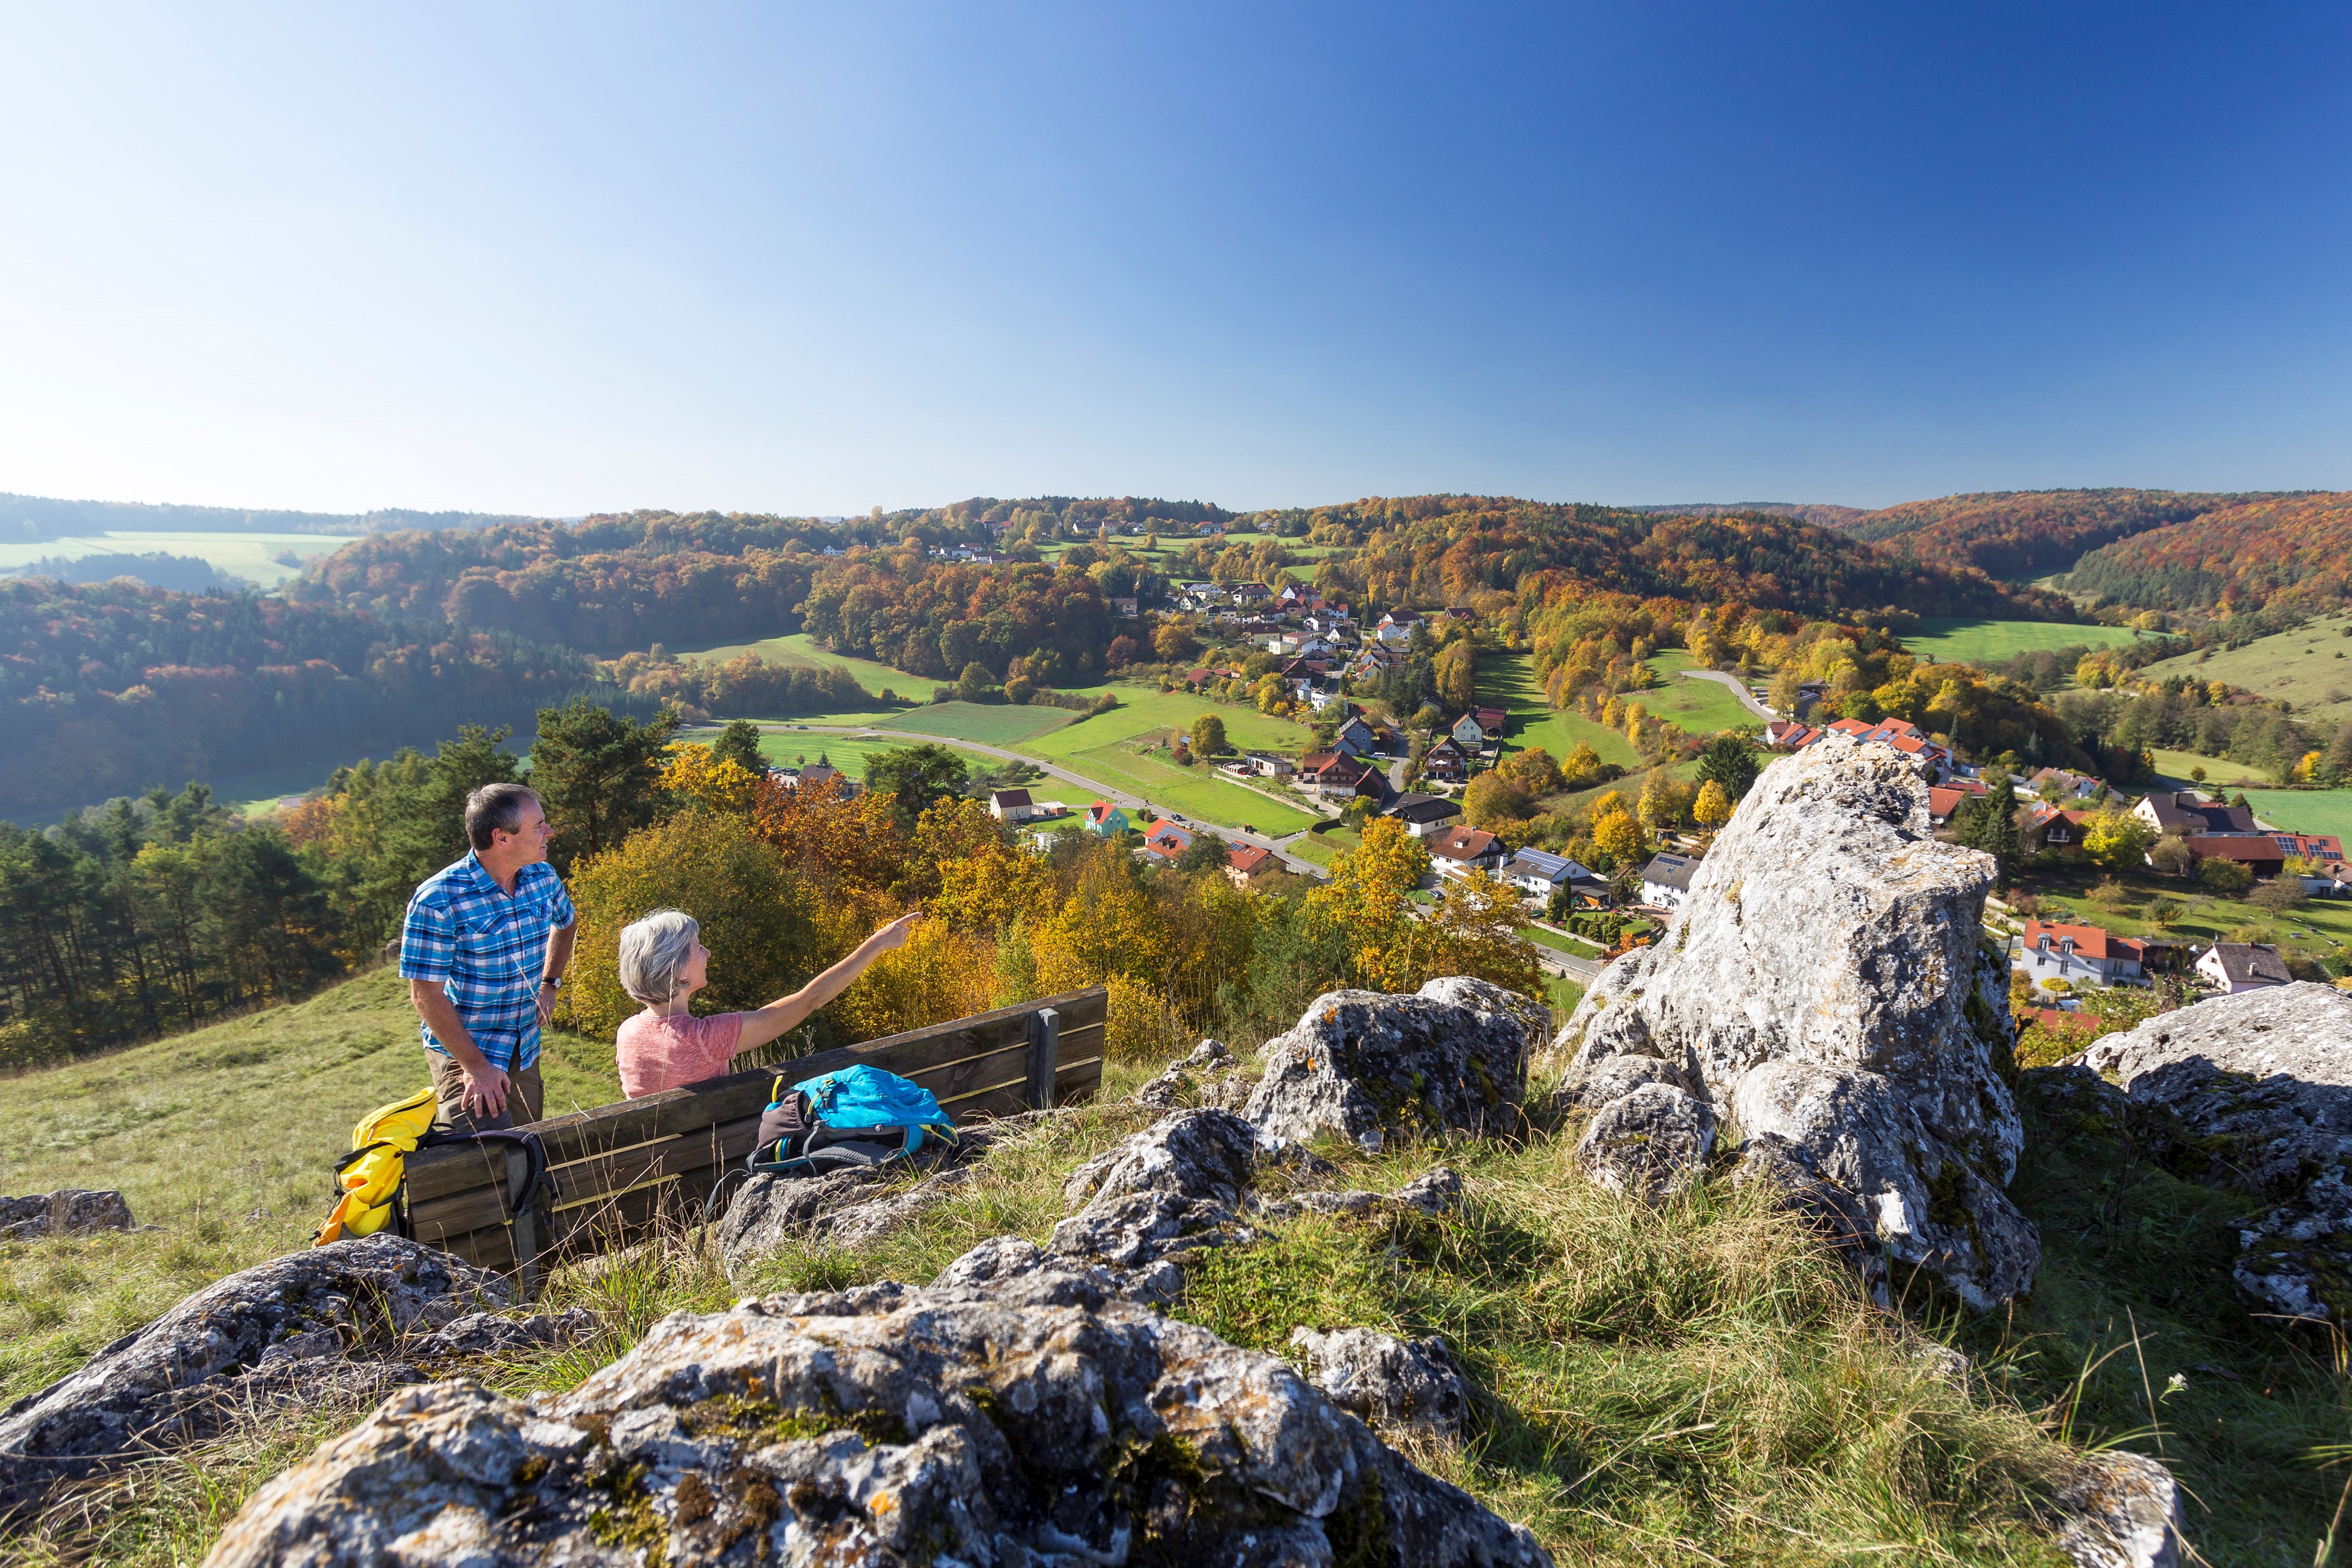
553 260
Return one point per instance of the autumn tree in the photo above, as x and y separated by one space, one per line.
915 777
1174 642
1368 901
1457 675
1209 735
1475 930
739 743
1494 801
698 776
1617 836
1711 810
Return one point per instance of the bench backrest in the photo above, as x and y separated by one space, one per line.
618 1167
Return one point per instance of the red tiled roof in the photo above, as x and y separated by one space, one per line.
1462 843
2248 850
1248 859
2090 941
1942 802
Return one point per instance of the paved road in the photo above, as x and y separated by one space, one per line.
1738 689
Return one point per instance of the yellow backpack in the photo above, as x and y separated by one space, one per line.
371 1174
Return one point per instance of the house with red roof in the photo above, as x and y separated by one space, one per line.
2079 953
1458 852
1244 862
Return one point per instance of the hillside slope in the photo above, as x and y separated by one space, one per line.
2288 552
2025 533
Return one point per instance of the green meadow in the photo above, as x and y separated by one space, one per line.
1967 639
253 557
1508 680
2310 667
1700 706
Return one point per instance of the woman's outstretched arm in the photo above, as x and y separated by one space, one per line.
786 1013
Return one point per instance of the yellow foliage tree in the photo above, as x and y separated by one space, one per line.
696 775
941 974
1367 903
1619 837
1475 930
1494 801
1711 810
1109 924
2116 838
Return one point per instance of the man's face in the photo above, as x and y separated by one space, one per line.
528 843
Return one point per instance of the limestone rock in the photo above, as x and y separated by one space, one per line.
2122 1510
1835 1214
1830 944
1398 1385
1437 1191
1652 1143
1211 1076
175 1380
493 1333
1593 1084
1433 1193
886 1426
2255 1093
768 1212
1138 1229
1367 1067
68 1212
1202 1154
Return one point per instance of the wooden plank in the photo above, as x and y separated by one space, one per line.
1044 1049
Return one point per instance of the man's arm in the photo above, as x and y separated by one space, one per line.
486 1086
559 959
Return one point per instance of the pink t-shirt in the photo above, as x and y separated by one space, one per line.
658 1054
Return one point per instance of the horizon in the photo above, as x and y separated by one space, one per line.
810 264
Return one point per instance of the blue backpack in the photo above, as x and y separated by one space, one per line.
856 1116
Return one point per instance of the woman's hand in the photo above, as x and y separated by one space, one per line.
895 934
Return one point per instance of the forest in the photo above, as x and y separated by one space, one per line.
2271 552
110 687
932 618
2025 533
1448 550
25 518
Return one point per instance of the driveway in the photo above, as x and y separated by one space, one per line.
1738 688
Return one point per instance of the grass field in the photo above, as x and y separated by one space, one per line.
1702 707
2220 773
1509 679
801 649
1965 640
2311 667
2305 810
1325 848
991 723
248 556
1110 747
847 752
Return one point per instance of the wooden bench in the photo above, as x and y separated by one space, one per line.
619 1169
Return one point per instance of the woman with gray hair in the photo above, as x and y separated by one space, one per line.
664 963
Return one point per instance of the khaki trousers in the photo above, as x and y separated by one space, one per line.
525 1094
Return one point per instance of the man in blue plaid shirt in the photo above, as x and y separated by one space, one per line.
483 950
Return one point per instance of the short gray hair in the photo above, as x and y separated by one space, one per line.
653 950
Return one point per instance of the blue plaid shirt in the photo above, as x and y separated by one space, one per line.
487 949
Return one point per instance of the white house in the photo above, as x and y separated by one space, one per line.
1012 805
2077 954
2234 966
1458 852
1396 627
1666 881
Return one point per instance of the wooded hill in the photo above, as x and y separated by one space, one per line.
2268 552
27 518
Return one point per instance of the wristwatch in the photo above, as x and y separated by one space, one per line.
550 982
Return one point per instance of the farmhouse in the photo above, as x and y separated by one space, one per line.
2187 813
2259 854
1422 814
2235 966
1446 762
1168 839
1106 820
1012 805
1543 874
1244 862
1666 881
1458 852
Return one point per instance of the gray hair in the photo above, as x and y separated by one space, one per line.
652 951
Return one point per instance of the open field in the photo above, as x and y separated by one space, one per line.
1111 747
1194 791
802 649
1702 707
2220 773
1509 679
991 723
248 556
2305 810
2310 667
2318 928
1966 640
1325 848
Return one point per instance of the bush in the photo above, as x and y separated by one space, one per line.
2225 877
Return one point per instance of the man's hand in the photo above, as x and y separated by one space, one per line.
546 1003
486 1091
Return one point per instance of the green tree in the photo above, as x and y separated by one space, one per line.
973 684
739 743
1730 761
1209 735
1208 852
916 776
1988 823
598 776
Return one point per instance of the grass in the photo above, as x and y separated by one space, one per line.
1509 679
991 723
846 752
1702 707
248 556
1968 640
1115 749
226 1138
800 648
2310 667
2220 773
1574 946
2305 810
1697 1382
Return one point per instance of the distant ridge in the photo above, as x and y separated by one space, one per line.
1819 513
29 519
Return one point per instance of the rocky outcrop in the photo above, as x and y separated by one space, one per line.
1823 983
984 1423
1790 1175
851 1207
68 1212
2252 1092
1651 1143
1401 1387
494 1334
1175 1186
2121 1511
1452 1058
283 1331
1593 1084
1210 1076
